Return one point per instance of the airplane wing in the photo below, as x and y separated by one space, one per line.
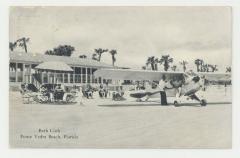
131 74
215 76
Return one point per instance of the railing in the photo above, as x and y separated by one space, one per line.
36 80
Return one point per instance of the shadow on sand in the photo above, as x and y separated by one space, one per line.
152 103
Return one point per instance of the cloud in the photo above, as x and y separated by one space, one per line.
136 32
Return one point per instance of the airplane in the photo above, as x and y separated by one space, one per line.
186 84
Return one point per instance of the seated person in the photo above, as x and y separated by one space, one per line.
103 91
87 91
44 91
118 95
58 93
58 88
24 88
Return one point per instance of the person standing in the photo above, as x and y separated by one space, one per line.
162 86
79 96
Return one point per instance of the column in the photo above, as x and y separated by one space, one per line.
30 73
48 74
16 73
86 77
42 74
81 75
93 81
23 74
73 74
54 78
91 78
68 77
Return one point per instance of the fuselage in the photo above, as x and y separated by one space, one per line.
187 85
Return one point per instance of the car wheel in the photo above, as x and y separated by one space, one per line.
203 102
69 98
175 103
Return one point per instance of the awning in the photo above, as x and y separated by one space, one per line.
54 66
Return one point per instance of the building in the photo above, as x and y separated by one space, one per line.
22 69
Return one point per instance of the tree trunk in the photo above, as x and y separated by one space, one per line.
184 68
165 66
156 67
197 68
99 57
24 44
152 65
113 60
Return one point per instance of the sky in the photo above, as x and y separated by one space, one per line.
185 33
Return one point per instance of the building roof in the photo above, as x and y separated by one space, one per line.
54 65
23 57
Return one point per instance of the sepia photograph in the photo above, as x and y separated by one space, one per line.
122 77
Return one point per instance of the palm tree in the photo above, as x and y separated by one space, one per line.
205 67
12 45
166 60
184 63
174 67
228 69
99 52
150 60
199 63
83 56
156 61
94 56
213 67
49 52
202 66
113 53
23 43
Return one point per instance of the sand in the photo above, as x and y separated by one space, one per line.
103 123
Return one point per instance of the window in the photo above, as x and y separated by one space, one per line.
45 77
78 70
77 78
59 77
65 78
19 72
12 72
84 78
71 78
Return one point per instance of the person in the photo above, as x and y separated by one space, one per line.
43 89
162 86
101 91
148 88
79 96
24 88
58 93
87 91
105 87
58 88
118 95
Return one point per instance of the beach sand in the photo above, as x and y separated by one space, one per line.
103 123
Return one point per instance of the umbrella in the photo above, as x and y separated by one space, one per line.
54 65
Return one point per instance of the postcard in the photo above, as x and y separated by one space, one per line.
120 77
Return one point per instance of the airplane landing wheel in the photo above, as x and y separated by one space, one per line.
139 100
203 102
175 103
